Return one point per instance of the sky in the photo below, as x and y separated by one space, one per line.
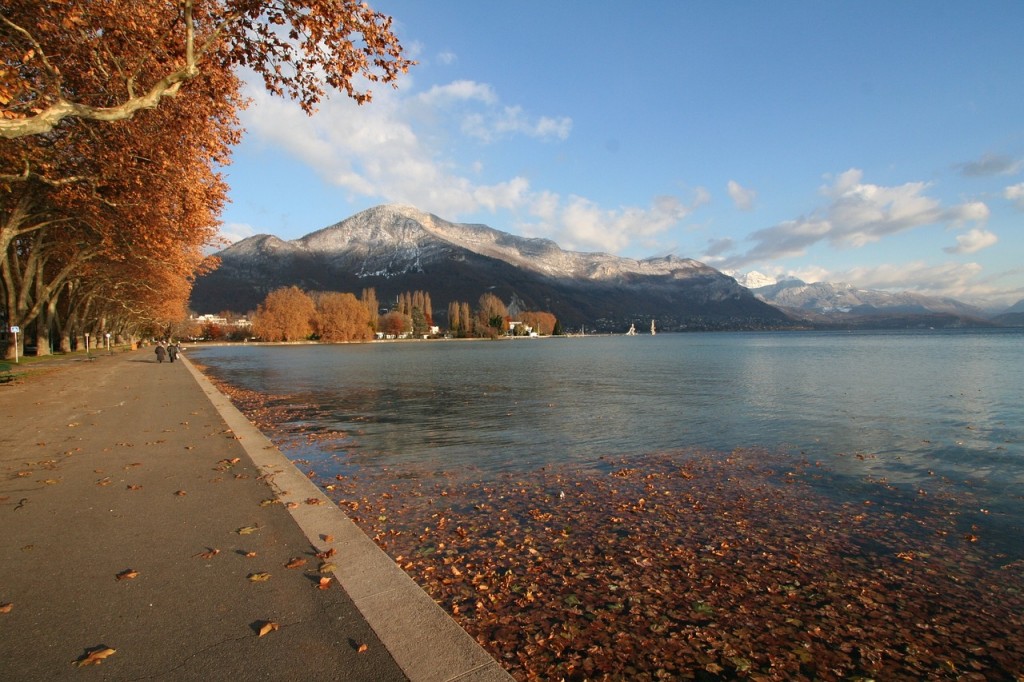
879 144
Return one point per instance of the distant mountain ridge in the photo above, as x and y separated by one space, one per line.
399 248
841 302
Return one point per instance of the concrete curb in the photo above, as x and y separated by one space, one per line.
425 642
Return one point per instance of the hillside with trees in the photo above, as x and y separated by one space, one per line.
400 248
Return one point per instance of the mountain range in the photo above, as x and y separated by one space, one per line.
400 248
844 304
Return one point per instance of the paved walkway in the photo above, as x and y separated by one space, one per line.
138 510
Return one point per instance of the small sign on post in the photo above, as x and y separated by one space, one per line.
14 330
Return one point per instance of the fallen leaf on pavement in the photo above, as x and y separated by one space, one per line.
247 530
268 627
296 562
362 648
6 608
127 574
259 577
95 657
324 583
209 553
180 493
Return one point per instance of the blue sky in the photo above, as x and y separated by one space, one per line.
875 143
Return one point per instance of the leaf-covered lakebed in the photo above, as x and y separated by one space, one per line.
691 565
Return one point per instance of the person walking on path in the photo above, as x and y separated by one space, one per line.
160 351
172 351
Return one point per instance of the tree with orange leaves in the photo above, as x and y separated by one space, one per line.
342 317
286 314
137 54
129 204
96 201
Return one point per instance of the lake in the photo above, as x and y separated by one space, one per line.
908 407
856 496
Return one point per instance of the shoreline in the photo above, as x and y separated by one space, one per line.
774 554
141 535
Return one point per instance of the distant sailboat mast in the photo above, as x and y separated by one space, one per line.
653 332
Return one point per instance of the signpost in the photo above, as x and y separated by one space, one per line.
14 330
109 352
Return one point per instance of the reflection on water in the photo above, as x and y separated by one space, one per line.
911 408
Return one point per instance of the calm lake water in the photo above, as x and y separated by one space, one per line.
910 408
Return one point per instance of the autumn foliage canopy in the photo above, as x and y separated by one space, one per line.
118 117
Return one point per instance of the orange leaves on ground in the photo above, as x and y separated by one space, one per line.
96 656
267 627
209 553
259 577
314 501
324 583
326 554
327 538
8 606
247 530
295 562
362 648
180 493
723 566
127 574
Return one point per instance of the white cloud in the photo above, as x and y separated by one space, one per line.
234 232
972 241
741 196
395 150
457 91
857 214
580 224
1015 193
944 279
375 151
490 125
